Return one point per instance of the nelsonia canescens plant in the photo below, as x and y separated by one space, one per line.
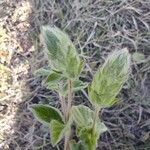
63 77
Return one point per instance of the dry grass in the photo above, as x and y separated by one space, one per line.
96 28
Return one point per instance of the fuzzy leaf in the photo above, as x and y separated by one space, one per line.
80 67
138 57
57 131
82 115
76 146
46 113
77 86
61 51
89 136
53 80
109 80
52 42
42 72
101 127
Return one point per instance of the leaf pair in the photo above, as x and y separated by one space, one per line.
53 118
84 117
56 81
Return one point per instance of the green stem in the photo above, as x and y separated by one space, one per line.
95 118
63 105
70 97
66 144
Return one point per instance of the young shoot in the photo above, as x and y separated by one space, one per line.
63 77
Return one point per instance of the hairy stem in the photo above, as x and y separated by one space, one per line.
67 137
95 117
69 97
66 144
63 105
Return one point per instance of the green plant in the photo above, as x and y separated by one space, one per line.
63 77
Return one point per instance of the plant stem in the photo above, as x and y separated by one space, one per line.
69 97
66 144
67 137
95 118
63 105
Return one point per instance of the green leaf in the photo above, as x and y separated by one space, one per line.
53 80
52 86
42 72
72 62
46 113
76 146
101 127
57 130
77 85
52 42
82 115
109 80
138 57
80 67
61 51
89 136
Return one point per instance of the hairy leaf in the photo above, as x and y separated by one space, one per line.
46 113
77 85
54 80
138 57
62 52
109 80
82 115
42 72
80 67
89 136
57 131
54 77
76 146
